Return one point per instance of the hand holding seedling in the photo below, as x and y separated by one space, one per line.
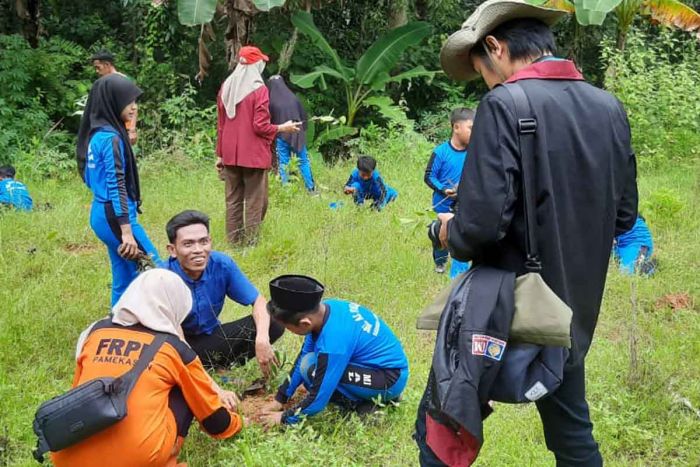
451 192
273 406
271 419
229 399
265 355
128 249
349 190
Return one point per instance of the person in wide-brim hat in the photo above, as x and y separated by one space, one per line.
455 54
582 174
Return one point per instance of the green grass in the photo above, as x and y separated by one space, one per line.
54 281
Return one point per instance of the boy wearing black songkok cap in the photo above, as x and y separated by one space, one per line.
349 356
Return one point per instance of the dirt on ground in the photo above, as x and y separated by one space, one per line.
252 405
675 301
80 248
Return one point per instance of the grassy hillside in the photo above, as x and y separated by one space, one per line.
54 281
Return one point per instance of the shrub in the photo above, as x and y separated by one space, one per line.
658 80
37 86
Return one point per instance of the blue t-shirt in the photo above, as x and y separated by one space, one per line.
15 194
444 171
220 278
351 334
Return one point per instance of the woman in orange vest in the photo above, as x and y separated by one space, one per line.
168 394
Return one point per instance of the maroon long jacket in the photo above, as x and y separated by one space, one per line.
246 140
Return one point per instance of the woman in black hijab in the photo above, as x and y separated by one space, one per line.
285 106
107 165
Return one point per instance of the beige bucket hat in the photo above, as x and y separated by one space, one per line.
454 56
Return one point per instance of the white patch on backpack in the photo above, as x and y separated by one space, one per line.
536 391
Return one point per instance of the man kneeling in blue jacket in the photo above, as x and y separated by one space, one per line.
349 356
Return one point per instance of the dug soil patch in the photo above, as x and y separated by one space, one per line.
675 301
80 248
252 405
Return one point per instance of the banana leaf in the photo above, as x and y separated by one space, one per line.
387 108
593 12
564 5
331 134
673 13
386 51
267 5
309 79
304 22
194 12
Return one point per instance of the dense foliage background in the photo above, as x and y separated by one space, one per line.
45 73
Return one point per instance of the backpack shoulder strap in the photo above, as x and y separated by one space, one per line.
127 381
527 130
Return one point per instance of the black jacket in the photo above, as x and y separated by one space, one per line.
586 190
471 341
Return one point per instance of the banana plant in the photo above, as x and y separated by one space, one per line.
196 12
371 73
593 12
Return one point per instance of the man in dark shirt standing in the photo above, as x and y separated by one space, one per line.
585 187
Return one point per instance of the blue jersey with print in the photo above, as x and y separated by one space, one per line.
222 277
104 172
444 171
15 194
351 334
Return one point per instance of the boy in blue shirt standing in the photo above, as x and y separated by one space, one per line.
365 182
12 192
349 356
442 175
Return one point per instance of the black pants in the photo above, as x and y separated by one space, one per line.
568 430
231 343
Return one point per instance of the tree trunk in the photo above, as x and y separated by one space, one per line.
422 9
621 39
398 13
240 28
28 11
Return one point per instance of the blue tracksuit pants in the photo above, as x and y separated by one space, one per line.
284 154
353 392
374 194
104 223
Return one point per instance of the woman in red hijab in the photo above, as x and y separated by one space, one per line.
243 146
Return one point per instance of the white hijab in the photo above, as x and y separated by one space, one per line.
157 299
244 80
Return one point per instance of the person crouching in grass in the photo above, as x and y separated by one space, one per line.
365 182
349 356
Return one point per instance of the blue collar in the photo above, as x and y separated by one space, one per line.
175 266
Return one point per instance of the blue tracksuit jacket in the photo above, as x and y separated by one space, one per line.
104 173
352 334
444 171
